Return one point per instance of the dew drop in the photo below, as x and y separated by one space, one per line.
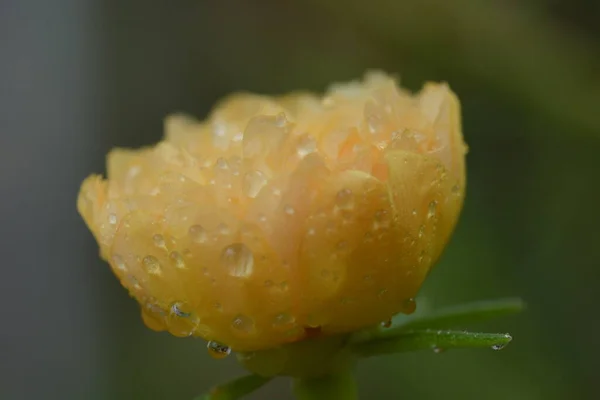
344 199
178 310
373 123
177 260
381 219
437 350
280 120
153 317
152 265
498 346
421 231
386 323
289 210
409 306
455 190
221 164
242 323
159 240
253 183
181 321
238 260
198 234
414 212
218 350
283 320
223 229
112 219
306 145
119 263
238 137
431 209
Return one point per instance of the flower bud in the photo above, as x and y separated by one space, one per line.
281 218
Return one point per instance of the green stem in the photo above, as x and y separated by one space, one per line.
340 386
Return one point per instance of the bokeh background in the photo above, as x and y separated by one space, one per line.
78 77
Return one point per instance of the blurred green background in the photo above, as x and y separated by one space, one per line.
78 77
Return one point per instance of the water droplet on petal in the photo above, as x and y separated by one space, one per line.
159 240
152 265
431 209
283 321
119 263
253 183
198 234
280 120
218 350
181 321
177 260
112 219
242 323
223 229
221 163
289 210
238 260
381 219
306 145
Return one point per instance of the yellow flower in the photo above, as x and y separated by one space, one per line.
281 218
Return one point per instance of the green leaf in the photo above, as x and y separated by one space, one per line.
235 389
431 340
445 318
462 315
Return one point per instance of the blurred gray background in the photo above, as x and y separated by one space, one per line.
78 77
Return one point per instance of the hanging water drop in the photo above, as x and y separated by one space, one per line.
153 317
409 306
181 321
218 350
